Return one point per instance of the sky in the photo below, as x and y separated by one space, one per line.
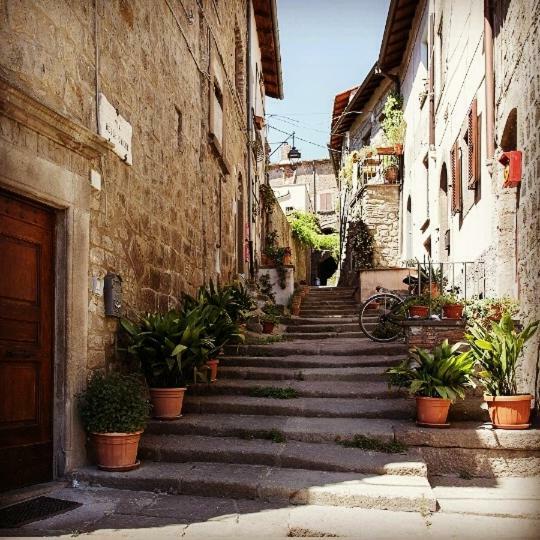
327 46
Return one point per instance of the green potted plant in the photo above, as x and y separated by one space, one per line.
270 318
436 379
497 348
394 124
114 412
418 306
489 310
268 256
168 347
451 306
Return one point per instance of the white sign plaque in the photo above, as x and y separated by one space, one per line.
116 129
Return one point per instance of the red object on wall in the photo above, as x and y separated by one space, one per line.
512 168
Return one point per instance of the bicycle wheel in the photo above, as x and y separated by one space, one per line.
380 317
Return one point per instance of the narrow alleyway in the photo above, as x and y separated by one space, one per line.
340 451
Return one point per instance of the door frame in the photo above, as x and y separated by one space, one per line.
47 158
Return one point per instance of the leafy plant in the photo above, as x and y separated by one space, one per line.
394 125
168 346
268 198
444 372
497 349
277 254
306 228
113 404
273 392
419 300
271 313
376 445
447 299
487 310
266 287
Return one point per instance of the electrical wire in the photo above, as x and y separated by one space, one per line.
304 140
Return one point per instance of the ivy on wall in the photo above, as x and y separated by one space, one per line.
307 229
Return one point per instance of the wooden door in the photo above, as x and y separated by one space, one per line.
26 342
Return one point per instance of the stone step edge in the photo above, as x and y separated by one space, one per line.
295 486
287 454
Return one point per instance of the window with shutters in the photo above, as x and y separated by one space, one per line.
473 172
455 158
325 202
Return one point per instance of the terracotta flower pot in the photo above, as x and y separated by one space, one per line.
391 174
373 305
286 260
398 149
116 451
167 402
452 311
213 367
432 411
267 327
509 412
421 312
266 260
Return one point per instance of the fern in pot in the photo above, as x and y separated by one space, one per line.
436 379
497 348
114 412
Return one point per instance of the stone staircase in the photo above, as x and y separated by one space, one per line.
232 444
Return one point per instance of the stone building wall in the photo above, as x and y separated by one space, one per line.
300 254
380 212
282 175
517 91
156 223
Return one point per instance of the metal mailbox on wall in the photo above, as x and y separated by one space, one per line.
112 292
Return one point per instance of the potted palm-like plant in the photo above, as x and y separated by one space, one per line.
450 305
436 379
114 412
168 347
498 348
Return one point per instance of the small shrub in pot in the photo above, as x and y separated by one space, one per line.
450 305
114 411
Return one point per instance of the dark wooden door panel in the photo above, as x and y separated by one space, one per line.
26 341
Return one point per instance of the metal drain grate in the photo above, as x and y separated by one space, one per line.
32 510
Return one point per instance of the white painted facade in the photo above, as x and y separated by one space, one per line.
293 197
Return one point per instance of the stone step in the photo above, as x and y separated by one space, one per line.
295 486
306 321
328 303
370 373
293 454
400 408
328 327
328 310
304 389
307 361
325 335
293 428
328 347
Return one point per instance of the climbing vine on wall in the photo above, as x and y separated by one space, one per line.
306 228
360 245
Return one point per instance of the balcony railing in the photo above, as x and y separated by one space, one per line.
380 169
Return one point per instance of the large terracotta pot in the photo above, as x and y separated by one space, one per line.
213 366
116 451
509 412
432 411
167 402
267 327
452 311
286 260
267 261
419 311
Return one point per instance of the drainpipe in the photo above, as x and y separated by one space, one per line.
249 120
431 78
489 82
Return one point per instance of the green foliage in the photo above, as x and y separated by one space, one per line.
273 392
360 246
444 372
394 125
113 404
268 198
241 302
277 254
271 313
266 287
376 445
419 300
498 349
306 228
447 300
486 310
169 346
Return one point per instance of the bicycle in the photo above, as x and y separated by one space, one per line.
381 314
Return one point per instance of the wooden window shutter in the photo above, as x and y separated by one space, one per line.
473 147
455 156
